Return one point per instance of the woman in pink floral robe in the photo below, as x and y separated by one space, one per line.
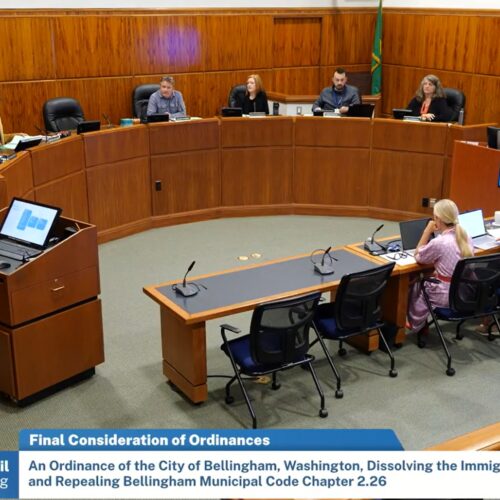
444 252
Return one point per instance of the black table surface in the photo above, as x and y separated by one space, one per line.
263 281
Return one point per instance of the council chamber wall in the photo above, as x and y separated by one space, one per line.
99 56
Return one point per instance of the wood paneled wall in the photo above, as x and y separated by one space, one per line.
461 48
100 56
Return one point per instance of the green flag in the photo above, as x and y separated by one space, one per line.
377 53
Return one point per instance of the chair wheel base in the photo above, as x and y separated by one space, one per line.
398 345
323 413
229 400
459 336
342 352
421 344
393 373
339 393
275 387
450 372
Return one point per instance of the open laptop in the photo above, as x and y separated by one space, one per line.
26 229
361 110
473 223
411 232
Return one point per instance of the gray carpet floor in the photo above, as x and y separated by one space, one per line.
422 404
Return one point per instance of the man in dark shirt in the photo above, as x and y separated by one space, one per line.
338 97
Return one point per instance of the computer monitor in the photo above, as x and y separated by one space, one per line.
493 137
361 110
400 113
157 118
88 126
231 112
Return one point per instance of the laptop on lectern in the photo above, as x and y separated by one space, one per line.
26 229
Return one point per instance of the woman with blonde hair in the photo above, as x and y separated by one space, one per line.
430 102
255 96
444 251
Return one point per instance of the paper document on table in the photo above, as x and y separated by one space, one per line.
407 260
14 142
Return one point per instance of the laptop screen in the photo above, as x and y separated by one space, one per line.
29 222
473 223
411 232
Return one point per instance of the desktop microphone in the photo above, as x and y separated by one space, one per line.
185 288
372 246
325 268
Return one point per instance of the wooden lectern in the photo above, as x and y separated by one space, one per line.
50 315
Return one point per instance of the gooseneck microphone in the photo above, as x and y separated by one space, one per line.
324 255
187 289
106 117
325 268
371 245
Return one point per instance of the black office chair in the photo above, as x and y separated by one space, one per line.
473 294
356 311
456 102
140 99
278 340
62 113
237 96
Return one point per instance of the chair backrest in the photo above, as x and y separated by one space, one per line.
236 96
62 113
474 284
357 304
140 98
279 331
456 101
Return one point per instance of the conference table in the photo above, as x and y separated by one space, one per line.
183 319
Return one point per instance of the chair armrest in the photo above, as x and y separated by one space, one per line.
231 328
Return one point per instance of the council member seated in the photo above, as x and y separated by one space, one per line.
430 102
166 100
339 96
255 99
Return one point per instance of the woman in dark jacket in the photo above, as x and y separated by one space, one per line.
255 96
430 102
